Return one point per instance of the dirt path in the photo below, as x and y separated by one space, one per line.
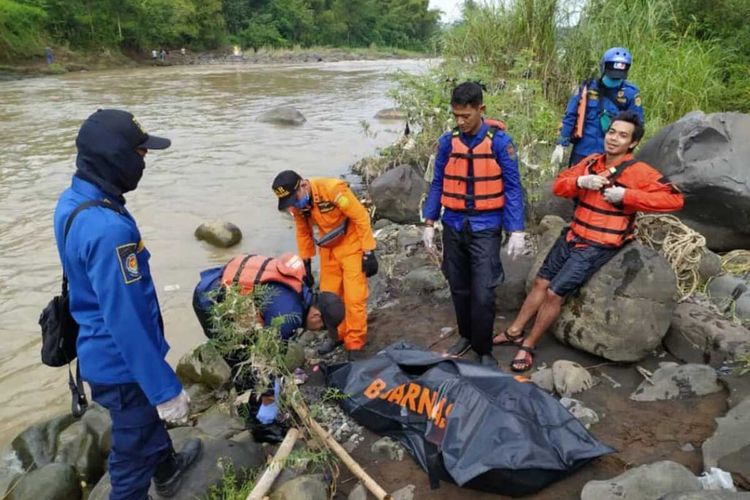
642 432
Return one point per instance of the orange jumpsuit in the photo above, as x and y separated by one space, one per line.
340 260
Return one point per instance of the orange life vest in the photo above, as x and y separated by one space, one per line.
250 270
597 221
477 165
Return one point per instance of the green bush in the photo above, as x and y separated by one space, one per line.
21 30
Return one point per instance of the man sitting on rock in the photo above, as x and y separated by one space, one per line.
609 189
288 294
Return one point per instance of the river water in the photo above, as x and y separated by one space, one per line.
220 165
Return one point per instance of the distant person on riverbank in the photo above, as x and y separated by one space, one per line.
593 106
346 243
121 345
162 55
477 182
49 55
182 51
609 188
287 295
154 54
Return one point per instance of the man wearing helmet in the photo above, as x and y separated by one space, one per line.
591 109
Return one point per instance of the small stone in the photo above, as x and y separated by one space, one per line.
219 233
586 416
570 378
388 448
204 365
283 115
544 379
688 447
308 487
358 493
390 114
405 493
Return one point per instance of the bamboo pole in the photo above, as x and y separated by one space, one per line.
274 468
328 440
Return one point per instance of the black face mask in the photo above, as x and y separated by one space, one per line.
105 159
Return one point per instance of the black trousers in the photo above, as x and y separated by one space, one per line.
471 264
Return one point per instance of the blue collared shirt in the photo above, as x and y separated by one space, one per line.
112 296
511 218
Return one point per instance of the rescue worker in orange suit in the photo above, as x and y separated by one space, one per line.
346 244
609 188
286 296
477 182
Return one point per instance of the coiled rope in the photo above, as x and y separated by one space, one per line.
682 247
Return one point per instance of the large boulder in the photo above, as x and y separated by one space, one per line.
673 381
706 156
219 233
210 469
283 115
542 203
36 446
510 294
697 334
624 310
78 446
731 435
396 194
204 365
51 482
647 482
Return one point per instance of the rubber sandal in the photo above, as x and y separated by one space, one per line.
514 340
525 363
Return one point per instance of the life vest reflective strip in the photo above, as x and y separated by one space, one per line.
477 165
598 222
250 270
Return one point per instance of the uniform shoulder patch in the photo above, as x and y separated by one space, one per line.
126 256
511 151
638 100
342 200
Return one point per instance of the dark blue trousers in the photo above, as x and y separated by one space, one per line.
139 439
471 264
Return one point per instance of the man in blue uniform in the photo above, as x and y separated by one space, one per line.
596 102
121 345
477 182
287 295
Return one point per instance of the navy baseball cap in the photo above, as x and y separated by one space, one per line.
285 186
125 125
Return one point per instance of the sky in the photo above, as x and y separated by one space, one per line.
451 9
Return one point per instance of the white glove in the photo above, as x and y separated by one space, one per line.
428 238
557 155
176 409
593 182
614 194
516 244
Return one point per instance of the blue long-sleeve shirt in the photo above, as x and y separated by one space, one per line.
511 217
600 100
112 296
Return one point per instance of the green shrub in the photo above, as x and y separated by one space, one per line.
21 30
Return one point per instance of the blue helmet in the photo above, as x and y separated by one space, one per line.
616 62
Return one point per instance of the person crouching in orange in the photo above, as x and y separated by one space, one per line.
346 243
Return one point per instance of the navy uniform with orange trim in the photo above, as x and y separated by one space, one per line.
600 228
121 345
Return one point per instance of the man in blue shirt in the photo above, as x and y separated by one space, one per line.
477 183
598 101
121 346
288 295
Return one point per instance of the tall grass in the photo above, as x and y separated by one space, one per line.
21 30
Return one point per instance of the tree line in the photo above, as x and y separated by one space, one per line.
26 26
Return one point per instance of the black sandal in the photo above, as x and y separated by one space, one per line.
525 363
514 340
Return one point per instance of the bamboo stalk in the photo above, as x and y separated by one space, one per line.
328 440
274 468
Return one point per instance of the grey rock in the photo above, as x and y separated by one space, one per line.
678 382
709 266
738 464
36 446
724 289
309 487
11 470
408 237
510 294
423 281
50 482
405 493
585 415
220 421
742 307
737 385
544 379
707 495
283 115
219 233
381 224
647 482
218 455
78 446
699 335
204 365
706 156
570 378
388 448
544 203
359 492
99 422
730 436
623 312
377 290
201 397
390 114
396 194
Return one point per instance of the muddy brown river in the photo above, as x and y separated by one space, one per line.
220 165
